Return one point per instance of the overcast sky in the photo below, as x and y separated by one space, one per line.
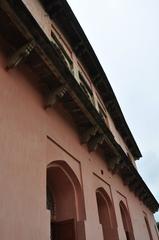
125 37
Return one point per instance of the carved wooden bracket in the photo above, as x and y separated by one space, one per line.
95 141
143 195
88 134
113 163
139 191
148 201
20 55
128 179
53 96
134 185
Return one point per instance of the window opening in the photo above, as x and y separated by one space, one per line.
103 114
85 86
63 52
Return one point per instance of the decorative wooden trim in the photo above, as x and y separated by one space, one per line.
20 55
54 95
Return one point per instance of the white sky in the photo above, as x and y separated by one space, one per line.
125 37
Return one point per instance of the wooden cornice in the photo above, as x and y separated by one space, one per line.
69 25
97 133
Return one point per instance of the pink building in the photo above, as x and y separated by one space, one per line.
67 168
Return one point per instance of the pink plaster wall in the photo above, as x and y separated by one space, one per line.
25 153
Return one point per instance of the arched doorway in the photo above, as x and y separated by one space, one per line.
106 215
126 221
65 202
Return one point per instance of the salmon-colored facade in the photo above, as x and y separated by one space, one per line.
67 169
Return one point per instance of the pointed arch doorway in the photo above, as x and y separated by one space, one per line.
148 227
127 225
65 202
106 214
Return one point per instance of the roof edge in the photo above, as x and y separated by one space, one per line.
65 10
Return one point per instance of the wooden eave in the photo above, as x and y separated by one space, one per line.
26 29
62 15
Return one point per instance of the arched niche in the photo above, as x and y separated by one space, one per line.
106 214
65 201
127 225
148 227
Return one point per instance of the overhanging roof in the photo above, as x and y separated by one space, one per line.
20 23
61 13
